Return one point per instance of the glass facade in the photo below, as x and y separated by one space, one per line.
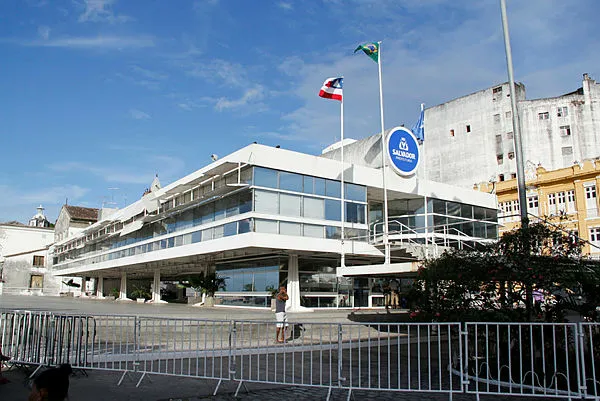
281 203
276 195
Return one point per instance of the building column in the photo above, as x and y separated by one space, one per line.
293 286
83 287
100 287
123 290
156 289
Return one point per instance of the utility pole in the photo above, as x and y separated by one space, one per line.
515 121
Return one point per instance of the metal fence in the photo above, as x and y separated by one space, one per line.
503 359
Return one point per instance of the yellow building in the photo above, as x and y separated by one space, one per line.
567 196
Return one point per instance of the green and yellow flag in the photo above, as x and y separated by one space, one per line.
371 50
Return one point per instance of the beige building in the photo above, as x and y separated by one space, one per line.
566 196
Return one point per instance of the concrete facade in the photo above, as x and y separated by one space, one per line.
470 140
24 260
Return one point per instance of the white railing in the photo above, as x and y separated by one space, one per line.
497 359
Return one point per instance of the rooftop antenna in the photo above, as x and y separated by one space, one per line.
112 202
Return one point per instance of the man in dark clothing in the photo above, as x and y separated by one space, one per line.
280 314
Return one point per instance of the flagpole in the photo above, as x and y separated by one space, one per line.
425 196
343 214
383 146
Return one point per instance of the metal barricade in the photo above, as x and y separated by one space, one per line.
532 359
589 337
184 347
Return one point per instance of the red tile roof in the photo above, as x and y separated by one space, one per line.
82 213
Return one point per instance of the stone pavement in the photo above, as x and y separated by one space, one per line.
102 386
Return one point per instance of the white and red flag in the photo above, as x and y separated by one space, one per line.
332 89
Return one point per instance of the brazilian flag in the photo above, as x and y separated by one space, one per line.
371 50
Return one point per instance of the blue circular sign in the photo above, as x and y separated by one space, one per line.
403 151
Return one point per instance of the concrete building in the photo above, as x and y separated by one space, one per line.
24 257
565 197
263 217
470 140
72 220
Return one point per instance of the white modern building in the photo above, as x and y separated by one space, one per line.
470 139
264 217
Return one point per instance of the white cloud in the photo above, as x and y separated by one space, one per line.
101 11
285 5
85 43
139 115
250 96
149 74
44 32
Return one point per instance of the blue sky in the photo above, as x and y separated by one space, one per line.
103 94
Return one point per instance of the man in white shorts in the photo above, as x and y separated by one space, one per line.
280 314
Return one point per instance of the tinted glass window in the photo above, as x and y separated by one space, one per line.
332 210
319 186
333 189
309 184
265 177
290 181
355 192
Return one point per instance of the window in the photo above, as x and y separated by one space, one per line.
509 135
497 93
571 201
500 177
451 132
533 204
36 281
289 205
266 202
565 130
513 175
497 118
468 129
590 200
511 155
290 181
264 177
38 261
552 203
333 210
595 239
562 111
544 115
314 208
500 159
567 154
508 115
562 197
286 228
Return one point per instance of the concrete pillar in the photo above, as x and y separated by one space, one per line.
83 287
123 291
100 287
156 289
293 286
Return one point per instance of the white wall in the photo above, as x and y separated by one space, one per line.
17 239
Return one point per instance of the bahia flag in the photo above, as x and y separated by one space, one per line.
332 89
418 128
371 50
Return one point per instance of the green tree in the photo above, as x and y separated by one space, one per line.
207 282
499 281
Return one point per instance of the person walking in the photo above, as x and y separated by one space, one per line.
280 314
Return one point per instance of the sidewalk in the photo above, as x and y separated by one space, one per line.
102 386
